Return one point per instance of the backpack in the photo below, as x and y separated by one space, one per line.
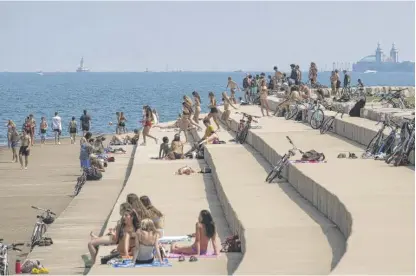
94 174
73 127
245 83
355 111
231 244
313 155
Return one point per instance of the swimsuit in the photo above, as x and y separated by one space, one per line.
24 151
201 252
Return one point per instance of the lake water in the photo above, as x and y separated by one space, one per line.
102 94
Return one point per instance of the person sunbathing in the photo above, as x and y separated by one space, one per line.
164 149
127 138
176 148
146 243
109 239
174 125
205 231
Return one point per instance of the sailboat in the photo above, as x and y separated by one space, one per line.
81 67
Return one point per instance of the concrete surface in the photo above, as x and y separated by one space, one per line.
364 198
278 227
180 198
86 212
48 182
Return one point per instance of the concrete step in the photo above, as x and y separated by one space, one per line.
273 220
371 202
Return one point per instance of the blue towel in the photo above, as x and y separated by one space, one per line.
154 264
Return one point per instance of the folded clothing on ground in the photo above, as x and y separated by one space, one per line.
170 239
129 263
206 255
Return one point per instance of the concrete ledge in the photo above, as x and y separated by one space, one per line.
372 209
300 237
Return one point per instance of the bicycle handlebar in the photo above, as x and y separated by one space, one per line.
44 210
290 141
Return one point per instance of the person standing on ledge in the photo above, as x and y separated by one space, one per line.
313 73
347 79
57 128
85 121
233 86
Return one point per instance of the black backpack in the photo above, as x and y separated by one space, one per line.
245 83
355 111
94 174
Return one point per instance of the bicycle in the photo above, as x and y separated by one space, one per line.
40 226
400 153
393 98
80 182
317 117
4 256
294 110
387 143
277 170
244 126
376 142
328 123
280 110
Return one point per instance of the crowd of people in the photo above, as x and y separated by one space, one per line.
139 229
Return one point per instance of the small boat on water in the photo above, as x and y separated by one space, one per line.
39 73
370 72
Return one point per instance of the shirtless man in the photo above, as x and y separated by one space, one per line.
233 86
24 149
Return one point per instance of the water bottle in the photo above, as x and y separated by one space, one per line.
194 155
18 267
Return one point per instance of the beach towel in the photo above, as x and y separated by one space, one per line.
207 255
307 161
129 263
171 239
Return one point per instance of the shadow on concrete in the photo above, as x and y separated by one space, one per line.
126 178
215 207
334 236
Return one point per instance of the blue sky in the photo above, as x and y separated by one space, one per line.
211 36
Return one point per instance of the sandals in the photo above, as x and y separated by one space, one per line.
351 155
191 259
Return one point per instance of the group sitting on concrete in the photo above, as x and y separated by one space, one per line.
137 233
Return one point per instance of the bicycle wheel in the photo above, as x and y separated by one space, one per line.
77 187
374 144
274 172
317 119
243 135
291 113
327 125
34 238
394 153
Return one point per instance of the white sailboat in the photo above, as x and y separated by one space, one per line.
81 67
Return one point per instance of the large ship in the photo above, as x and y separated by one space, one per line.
81 67
381 63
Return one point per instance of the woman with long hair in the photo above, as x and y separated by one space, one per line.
225 116
205 231
197 106
146 243
138 206
113 236
187 110
148 121
213 110
263 97
155 215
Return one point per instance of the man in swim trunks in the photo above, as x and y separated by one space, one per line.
233 86
57 128
85 120
24 149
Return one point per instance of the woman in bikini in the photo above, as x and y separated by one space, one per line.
186 122
197 106
109 239
14 142
225 116
213 112
122 123
263 97
205 231
176 148
155 215
147 242
148 122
